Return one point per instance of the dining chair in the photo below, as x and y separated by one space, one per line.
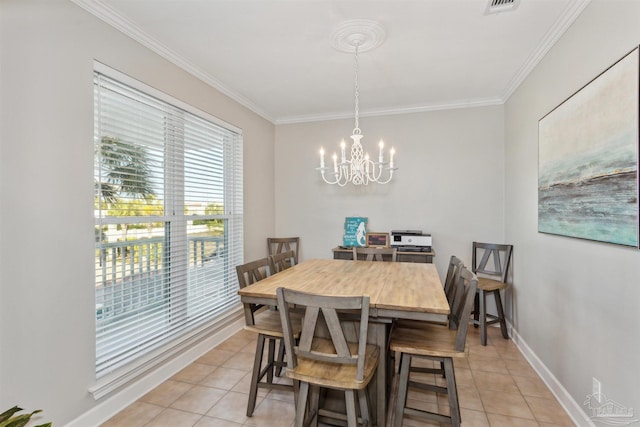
439 343
282 261
330 360
450 288
265 321
492 278
453 274
374 254
276 245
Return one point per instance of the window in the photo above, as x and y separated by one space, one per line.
168 221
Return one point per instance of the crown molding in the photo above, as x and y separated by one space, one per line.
571 13
101 11
390 111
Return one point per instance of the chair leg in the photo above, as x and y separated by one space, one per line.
403 385
314 404
476 310
352 416
296 389
363 400
452 391
301 407
271 360
483 317
503 322
280 360
255 376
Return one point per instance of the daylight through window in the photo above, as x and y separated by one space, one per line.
168 220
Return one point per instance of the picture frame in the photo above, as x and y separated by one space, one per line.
588 159
378 240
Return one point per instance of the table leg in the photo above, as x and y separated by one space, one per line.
379 412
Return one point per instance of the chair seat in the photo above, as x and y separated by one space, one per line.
426 340
267 322
332 375
485 284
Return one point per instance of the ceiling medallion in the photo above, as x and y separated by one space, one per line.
364 33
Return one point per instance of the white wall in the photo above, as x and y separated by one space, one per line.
450 180
47 319
576 300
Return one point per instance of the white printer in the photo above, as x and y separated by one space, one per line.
411 241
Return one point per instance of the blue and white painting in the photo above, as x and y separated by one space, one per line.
588 160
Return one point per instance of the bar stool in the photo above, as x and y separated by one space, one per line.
497 280
265 321
282 261
440 343
329 361
277 245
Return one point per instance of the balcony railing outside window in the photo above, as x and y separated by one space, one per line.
130 276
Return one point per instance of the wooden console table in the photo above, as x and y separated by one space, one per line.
410 256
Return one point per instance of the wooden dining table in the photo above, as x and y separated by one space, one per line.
397 290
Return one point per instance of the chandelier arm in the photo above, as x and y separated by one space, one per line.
375 172
389 179
325 178
342 178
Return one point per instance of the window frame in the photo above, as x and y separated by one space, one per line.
109 380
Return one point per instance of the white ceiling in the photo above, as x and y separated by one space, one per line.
276 58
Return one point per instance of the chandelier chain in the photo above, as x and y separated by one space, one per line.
357 89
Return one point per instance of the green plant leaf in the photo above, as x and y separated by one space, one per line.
18 420
8 413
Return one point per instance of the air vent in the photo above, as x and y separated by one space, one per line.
499 6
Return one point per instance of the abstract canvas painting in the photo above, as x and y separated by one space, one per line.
588 160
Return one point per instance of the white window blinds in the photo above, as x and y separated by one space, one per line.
168 220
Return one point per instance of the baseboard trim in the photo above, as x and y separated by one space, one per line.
129 394
573 408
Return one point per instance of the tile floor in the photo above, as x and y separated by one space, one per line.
496 388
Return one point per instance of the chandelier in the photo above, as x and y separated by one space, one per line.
355 36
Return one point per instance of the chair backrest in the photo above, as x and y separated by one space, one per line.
312 304
483 252
462 306
251 273
374 254
277 245
453 274
282 261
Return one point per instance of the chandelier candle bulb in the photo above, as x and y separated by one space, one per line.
321 157
342 145
381 147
